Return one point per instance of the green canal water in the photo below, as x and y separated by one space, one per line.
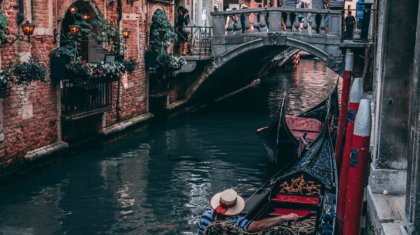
160 180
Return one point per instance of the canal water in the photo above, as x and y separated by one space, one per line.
160 180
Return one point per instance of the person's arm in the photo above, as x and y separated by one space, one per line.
259 225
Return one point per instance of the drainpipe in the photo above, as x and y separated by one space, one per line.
118 108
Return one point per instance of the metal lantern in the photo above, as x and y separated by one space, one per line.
74 29
126 33
86 17
28 29
72 10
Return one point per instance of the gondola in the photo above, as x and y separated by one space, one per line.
288 137
307 188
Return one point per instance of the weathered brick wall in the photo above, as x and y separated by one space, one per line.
30 113
30 118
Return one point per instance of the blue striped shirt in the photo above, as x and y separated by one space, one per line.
207 219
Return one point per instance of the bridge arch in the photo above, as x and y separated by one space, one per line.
332 61
261 50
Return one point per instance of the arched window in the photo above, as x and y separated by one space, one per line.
81 14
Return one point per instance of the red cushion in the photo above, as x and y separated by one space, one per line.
296 199
303 124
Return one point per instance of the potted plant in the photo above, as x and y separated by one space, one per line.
4 79
59 58
27 72
171 62
130 65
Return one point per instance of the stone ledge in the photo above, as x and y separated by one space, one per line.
120 126
46 150
387 179
176 104
386 212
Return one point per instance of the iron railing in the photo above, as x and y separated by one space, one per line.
85 98
198 40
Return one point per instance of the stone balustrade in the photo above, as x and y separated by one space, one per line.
277 19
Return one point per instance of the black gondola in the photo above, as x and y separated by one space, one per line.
307 188
288 137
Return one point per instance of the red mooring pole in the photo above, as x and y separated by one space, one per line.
359 159
356 93
348 68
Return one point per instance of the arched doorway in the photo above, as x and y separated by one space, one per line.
81 13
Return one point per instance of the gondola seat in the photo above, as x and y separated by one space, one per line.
296 199
299 126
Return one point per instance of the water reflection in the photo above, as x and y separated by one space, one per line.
160 181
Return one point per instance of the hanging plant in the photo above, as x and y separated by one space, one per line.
30 71
3 27
130 65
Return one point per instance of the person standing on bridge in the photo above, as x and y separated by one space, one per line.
242 17
180 30
258 19
350 22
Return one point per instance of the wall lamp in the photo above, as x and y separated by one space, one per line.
126 33
27 29
74 31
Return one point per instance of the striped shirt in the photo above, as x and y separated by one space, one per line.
207 219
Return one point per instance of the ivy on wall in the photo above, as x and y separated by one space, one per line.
160 24
3 27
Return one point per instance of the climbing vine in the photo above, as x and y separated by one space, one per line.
160 24
3 27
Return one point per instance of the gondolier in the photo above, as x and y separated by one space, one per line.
227 205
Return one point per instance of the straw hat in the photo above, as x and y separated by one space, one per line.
244 6
227 202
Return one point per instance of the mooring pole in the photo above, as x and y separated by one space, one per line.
359 159
356 93
343 107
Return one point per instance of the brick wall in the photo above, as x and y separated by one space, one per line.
30 113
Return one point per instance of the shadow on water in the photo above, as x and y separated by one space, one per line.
160 181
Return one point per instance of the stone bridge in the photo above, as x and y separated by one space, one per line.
318 33
242 45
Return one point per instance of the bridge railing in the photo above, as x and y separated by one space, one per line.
198 39
277 19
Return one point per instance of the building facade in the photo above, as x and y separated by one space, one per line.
39 118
